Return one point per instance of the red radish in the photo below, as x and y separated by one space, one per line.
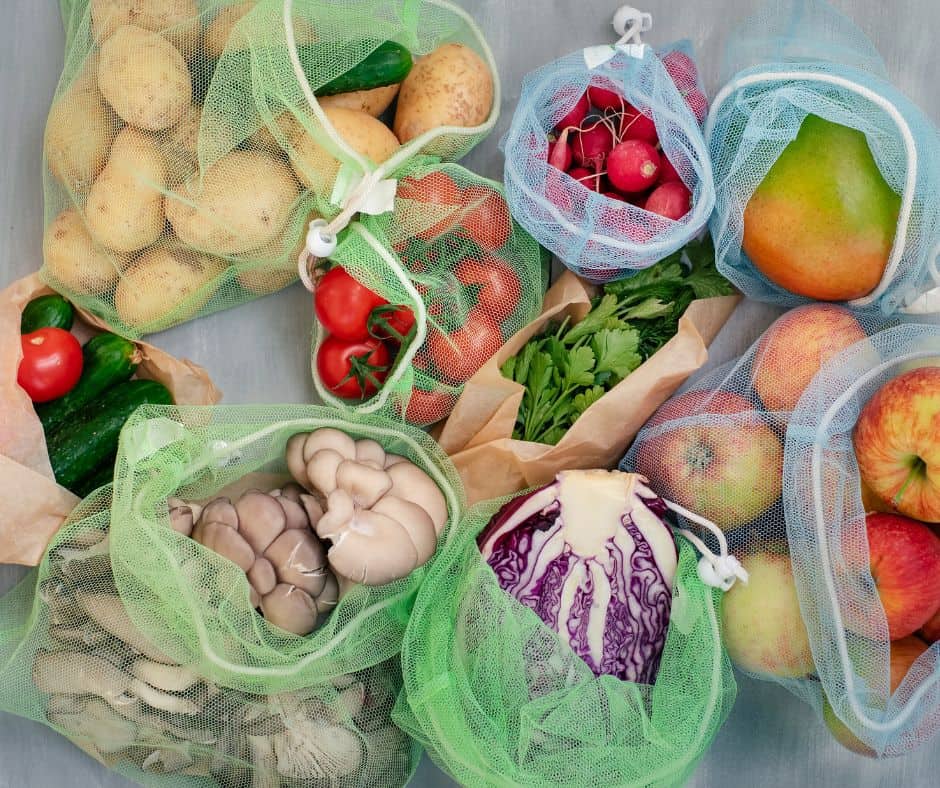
559 152
602 98
638 127
576 114
557 191
592 143
682 69
698 104
667 172
580 173
633 166
671 200
615 196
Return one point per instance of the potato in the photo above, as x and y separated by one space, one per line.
242 201
179 146
272 277
179 18
219 29
166 280
316 167
75 260
124 210
373 102
144 78
451 86
79 132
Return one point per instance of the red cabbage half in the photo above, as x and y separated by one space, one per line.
592 556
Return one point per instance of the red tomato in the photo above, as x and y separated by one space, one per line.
486 218
343 305
435 188
498 286
460 354
352 370
391 322
427 407
52 364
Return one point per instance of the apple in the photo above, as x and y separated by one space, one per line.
897 443
762 626
904 653
904 558
931 630
793 349
872 503
726 465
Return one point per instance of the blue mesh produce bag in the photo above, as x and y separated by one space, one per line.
801 58
598 237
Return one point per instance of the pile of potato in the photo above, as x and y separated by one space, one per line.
150 230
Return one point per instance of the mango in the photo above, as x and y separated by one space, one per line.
822 222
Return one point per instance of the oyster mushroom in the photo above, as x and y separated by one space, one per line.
89 719
108 612
169 678
183 515
77 673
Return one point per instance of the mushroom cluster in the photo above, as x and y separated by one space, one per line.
381 513
270 537
120 697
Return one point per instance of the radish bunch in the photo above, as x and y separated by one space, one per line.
612 148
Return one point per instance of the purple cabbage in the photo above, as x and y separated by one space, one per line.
591 555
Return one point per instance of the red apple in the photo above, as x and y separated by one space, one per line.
931 630
905 565
726 466
897 443
793 349
904 653
762 626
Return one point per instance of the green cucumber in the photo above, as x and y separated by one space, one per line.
102 476
79 448
47 311
387 64
107 360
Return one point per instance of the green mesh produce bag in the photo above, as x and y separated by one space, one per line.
498 699
472 277
184 157
73 658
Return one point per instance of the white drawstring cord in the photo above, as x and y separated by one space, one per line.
629 23
719 571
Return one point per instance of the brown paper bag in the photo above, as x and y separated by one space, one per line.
32 506
478 433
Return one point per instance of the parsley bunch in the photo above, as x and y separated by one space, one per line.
567 368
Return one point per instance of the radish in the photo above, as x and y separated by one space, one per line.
603 99
592 143
580 173
667 172
615 196
633 166
698 104
559 152
575 115
681 68
671 200
638 127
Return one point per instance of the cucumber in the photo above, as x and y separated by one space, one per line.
102 476
387 64
107 360
80 447
48 311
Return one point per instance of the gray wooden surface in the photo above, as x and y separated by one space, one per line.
260 352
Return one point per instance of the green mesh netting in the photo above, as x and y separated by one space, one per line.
498 699
471 276
196 603
72 658
183 162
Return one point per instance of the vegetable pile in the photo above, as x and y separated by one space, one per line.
570 366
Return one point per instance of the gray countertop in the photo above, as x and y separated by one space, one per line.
259 353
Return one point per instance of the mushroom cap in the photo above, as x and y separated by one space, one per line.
415 520
294 513
225 541
372 549
220 511
262 576
294 453
413 484
291 609
291 491
364 483
313 509
298 559
181 520
394 459
321 470
261 519
370 452
329 438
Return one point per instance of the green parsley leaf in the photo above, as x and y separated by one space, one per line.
586 398
616 352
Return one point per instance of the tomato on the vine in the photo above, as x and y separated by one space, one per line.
52 364
462 352
427 407
498 289
343 305
392 322
352 369
486 218
434 189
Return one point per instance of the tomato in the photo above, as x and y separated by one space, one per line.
352 370
52 364
343 305
461 353
392 322
486 218
428 407
435 188
497 285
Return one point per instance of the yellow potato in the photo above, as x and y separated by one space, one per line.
124 210
219 30
179 145
144 78
451 86
79 132
373 102
75 260
270 278
178 18
317 168
264 139
165 285
241 202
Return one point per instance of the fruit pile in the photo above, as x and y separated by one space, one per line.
611 147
